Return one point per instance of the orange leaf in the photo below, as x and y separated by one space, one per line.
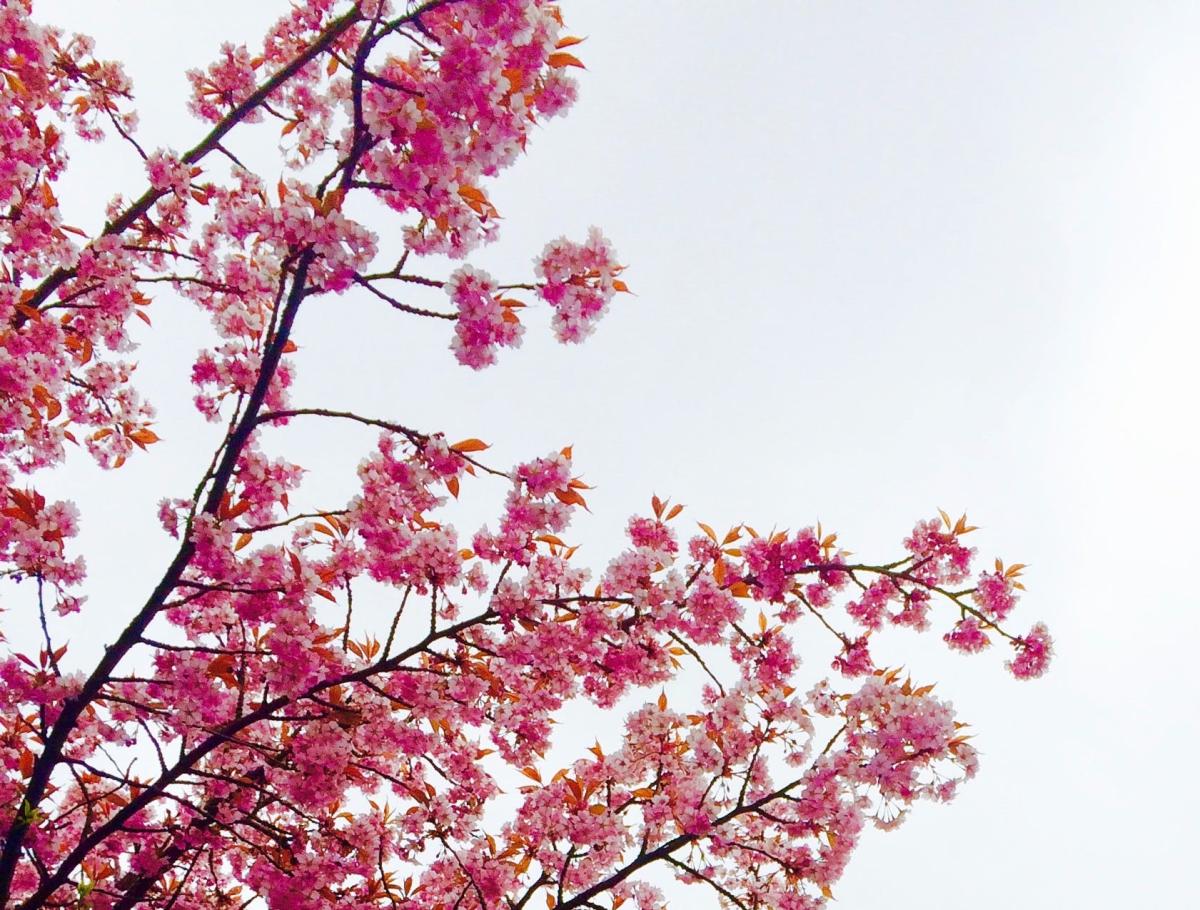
595 810
719 573
222 668
558 61
570 497
143 437
452 486
515 77
568 41
242 542
240 509
469 445
472 194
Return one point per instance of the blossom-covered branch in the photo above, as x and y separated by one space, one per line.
320 707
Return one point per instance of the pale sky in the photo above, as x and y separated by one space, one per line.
888 257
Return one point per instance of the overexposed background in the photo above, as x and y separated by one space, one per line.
888 257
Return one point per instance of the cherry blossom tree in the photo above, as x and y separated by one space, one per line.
251 735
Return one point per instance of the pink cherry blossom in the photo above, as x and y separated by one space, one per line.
1034 650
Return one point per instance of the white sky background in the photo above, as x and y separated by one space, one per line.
888 257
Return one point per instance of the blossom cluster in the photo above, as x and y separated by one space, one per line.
484 323
578 280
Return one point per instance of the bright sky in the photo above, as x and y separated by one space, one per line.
888 257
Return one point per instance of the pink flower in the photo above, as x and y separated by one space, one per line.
967 636
167 172
854 660
994 595
1034 651
484 324
578 281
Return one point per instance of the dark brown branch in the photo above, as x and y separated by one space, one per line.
365 282
196 153
74 706
189 761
